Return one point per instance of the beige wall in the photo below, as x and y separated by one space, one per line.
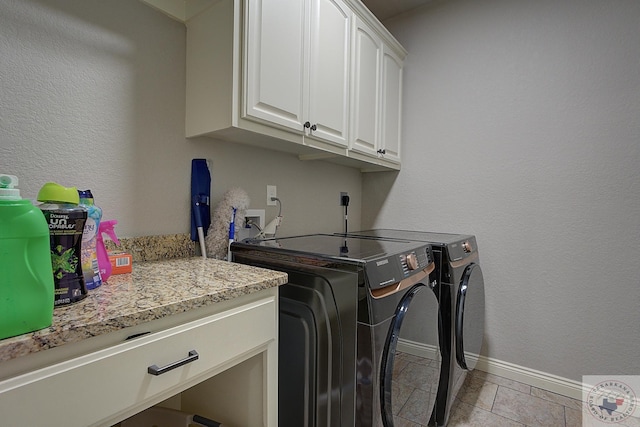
93 95
521 126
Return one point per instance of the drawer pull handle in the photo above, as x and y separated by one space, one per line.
154 370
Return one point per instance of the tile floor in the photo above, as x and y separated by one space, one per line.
484 400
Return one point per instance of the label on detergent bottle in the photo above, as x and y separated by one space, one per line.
66 226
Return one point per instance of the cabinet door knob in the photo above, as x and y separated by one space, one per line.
314 127
381 151
307 124
154 370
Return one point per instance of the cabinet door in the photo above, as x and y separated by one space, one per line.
391 105
275 61
329 70
366 95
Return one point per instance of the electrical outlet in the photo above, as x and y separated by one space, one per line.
256 216
271 192
343 194
247 231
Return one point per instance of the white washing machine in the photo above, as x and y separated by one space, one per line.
461 302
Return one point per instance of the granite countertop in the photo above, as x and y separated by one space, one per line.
154 289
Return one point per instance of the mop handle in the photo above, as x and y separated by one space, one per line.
203 249
232 232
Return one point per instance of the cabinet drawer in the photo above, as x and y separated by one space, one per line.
91 389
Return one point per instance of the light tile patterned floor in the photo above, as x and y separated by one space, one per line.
484 400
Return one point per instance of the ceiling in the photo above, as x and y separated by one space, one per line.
384 9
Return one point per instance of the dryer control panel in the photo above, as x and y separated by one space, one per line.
462 249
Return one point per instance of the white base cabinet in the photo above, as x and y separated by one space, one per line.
103 387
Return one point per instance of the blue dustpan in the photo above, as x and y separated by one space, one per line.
200 195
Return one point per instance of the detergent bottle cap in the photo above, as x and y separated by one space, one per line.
85 194
52 192
7 187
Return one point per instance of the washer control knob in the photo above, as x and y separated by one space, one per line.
412 261
466 246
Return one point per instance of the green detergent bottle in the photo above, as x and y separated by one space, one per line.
26 282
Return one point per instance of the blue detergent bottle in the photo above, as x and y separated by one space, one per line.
89 259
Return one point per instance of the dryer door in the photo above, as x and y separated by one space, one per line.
469 317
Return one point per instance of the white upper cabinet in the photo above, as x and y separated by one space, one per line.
366 98
276 62
377 97
305 76
298 66
329 71
391 105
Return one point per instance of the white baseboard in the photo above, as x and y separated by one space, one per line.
532 377
418 349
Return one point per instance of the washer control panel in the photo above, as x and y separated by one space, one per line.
415 261
392 269
411 261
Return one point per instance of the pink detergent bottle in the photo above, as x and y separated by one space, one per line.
101 251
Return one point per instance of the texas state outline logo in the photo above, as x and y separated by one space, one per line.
610 401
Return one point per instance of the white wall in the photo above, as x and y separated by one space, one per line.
522 126
92 94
